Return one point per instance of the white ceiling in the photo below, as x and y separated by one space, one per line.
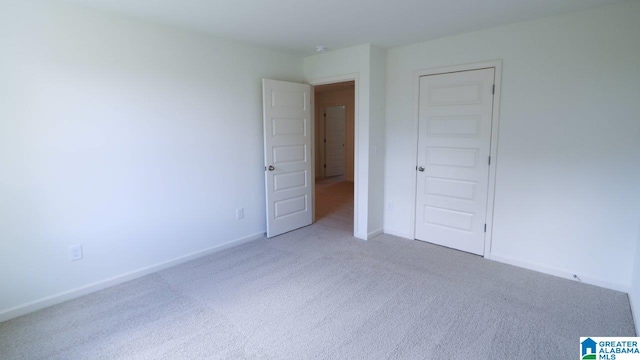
299 25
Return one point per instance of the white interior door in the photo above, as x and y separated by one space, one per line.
287 155
454 142
335 126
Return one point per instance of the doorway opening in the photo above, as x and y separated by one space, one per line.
335 154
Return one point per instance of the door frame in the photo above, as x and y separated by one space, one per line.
495 121
356 105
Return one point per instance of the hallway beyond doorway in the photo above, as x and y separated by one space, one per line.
334 202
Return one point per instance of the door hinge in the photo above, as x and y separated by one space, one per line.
325 141
325 166
325 114
485 227
493 90
489 161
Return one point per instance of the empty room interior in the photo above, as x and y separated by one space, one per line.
333 180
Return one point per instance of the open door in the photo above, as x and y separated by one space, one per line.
287 155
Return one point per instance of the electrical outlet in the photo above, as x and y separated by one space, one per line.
240 213
75 252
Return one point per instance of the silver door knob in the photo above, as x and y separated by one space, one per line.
271 168
421 168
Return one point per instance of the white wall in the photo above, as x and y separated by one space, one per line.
377 104
137 141
634 292
366 64
567 196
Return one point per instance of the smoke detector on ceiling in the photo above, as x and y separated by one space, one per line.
321 49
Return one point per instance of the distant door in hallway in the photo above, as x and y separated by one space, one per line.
335 129
287 155
454 142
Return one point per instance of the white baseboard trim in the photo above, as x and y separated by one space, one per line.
397 233
550 270
374 233
119 279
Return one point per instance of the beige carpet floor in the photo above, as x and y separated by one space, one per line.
319 293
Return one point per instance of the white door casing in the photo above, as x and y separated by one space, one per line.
334 136
454 145
287 153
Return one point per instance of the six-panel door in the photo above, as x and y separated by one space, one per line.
287 141
454 143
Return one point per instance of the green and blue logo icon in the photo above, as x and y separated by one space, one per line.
609 348
588 347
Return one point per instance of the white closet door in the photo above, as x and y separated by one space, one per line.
454 141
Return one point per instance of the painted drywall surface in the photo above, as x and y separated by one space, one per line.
634 291
135 140
377 101
351 61
568 166
341 97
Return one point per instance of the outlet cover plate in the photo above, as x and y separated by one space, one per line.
75 252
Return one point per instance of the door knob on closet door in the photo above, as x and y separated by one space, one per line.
421 168
271 168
